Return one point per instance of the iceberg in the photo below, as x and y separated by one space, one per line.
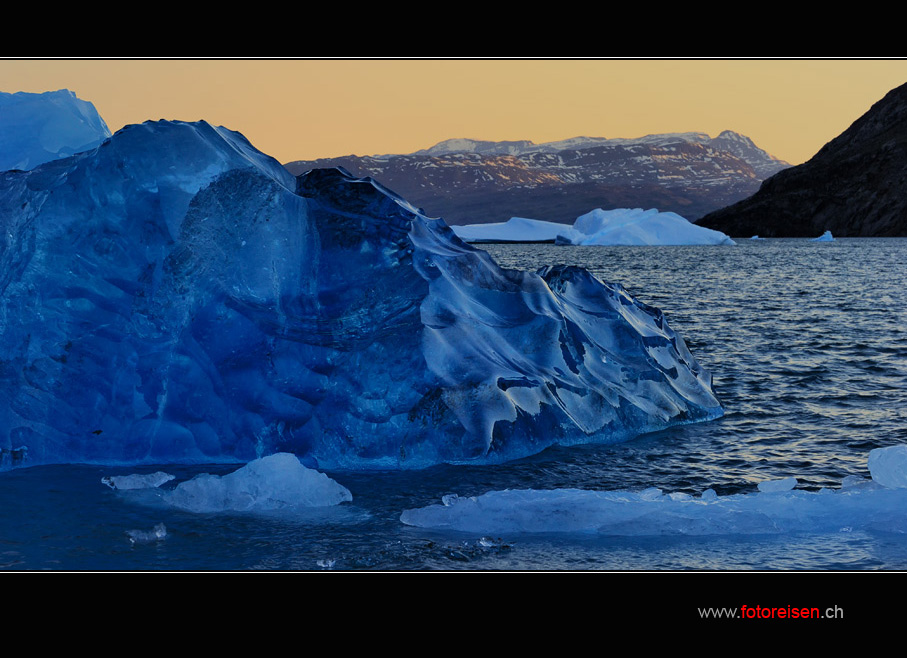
37 128
878 504
620 227
825 237
515 229
639 227
175 295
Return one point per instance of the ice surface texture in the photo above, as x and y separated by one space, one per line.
37 128
177 296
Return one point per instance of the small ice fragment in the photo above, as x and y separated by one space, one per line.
279 481
888 466
449 499
158 533
775 486
136 481
652 493
709 494
326 564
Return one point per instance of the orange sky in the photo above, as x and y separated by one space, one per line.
306 109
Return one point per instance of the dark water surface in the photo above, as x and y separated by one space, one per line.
808 349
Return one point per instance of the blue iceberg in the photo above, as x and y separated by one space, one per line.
175 295
37 128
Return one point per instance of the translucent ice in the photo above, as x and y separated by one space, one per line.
37 128
774 486
888 466
857 505
137 481
825 237
276 482
177 296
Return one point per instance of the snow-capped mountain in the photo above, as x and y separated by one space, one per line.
37 128
474 181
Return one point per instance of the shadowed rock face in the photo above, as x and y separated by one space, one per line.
855 186
177 296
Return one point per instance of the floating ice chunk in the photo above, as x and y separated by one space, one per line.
756 237
276 482
859 505
825 237
158 533
627 513
775 486
136 481
888 466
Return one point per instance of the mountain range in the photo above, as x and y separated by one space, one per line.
467 181
854 186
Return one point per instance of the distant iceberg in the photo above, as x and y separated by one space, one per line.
825 237
515 229
623 227
860 504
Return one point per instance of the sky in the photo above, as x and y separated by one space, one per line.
303 109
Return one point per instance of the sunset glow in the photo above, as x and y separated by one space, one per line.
309 108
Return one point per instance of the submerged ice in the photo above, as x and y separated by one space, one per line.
174 295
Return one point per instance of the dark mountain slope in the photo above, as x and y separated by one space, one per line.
855 186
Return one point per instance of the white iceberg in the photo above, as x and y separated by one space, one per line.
825 237
515 229
879 504
276 482
623 227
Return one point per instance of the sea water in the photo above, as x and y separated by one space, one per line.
808 349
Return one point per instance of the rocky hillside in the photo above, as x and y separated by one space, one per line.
469 181
855 186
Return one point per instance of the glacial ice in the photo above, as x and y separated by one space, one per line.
888 466
137 480
275 482
825 237
175 295
620 227
37 128
879 504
